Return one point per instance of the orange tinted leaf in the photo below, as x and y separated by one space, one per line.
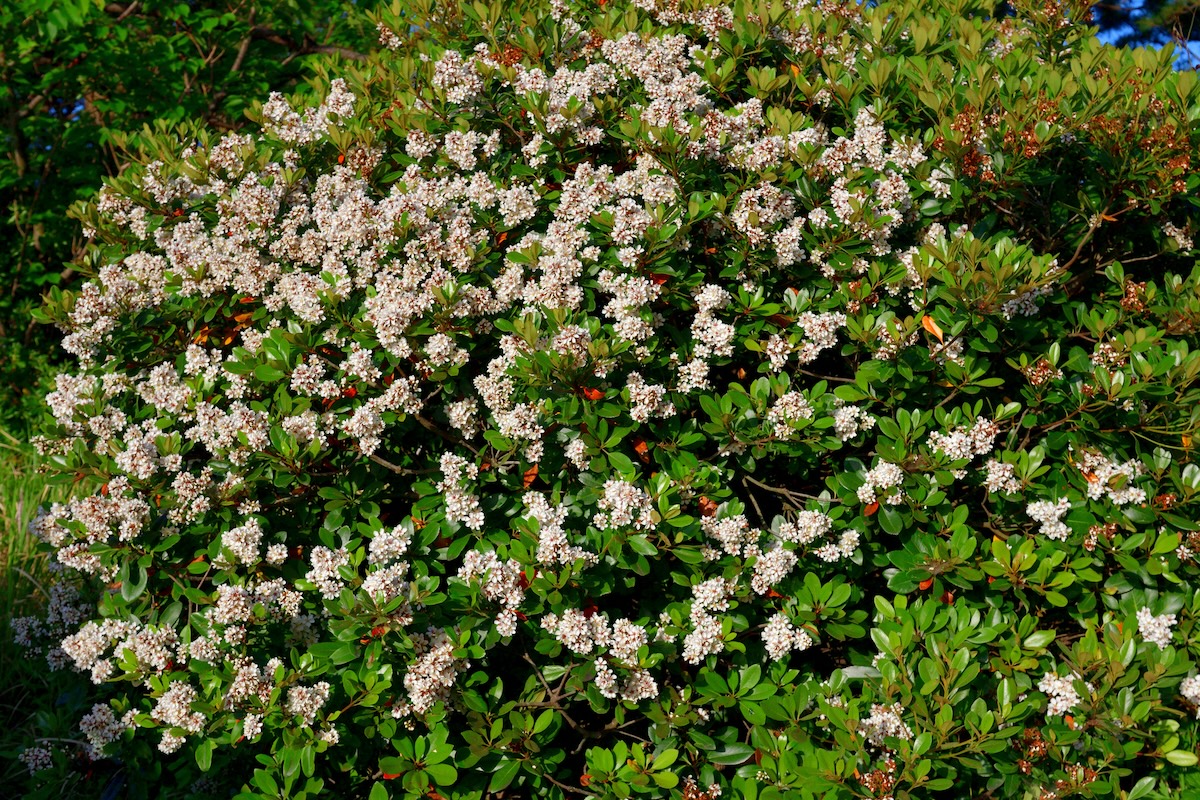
928 324
529 477
659 278
871 509
593 394
707 507
925 584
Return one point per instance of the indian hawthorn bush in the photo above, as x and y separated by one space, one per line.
660 400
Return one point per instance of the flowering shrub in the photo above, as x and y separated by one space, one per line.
669 400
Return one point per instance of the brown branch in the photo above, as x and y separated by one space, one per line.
398 469
305 47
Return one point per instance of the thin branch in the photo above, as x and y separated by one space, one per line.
305 47
398 469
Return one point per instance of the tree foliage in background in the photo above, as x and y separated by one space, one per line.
661 400
1154 22
80 80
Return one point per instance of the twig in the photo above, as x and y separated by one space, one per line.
304 48
398 469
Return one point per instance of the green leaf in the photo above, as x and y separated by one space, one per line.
133 586
442 774
640 544
204 753
734 753
268 374
504 776
1038 640
1182 758
1143 787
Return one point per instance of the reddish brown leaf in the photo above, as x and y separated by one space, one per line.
928 324
529 477
925 584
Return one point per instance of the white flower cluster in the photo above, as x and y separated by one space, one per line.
153 648
290 127
36 758
964 443
781 637
707 636
713 337
306 701
807 527
647 399
554 548
849 421
885 722
1049 515
429 678
820 333
1155 629
581 632
119 514
1179 235
1061 692
787 410
880 482
1190 689
459 78
324 574
1001 477
1106 477
101 727
244 541
771 567
733 533
639 685
1024 304
501 583
174 710
461 506
624 504
388 546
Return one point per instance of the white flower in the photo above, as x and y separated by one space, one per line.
1155 629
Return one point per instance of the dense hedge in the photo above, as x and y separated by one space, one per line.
661 400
